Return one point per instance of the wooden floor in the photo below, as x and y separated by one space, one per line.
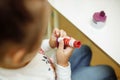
99 57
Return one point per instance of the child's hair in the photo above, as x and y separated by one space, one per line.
13 18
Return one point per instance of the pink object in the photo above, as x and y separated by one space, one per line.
69 42
99 17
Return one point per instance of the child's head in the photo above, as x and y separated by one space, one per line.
22 25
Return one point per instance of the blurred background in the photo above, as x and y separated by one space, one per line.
99 56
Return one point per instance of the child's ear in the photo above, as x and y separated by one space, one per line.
18 56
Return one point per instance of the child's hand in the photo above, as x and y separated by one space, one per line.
55 34
62 54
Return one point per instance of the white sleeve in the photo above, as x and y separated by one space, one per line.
63 73
45 46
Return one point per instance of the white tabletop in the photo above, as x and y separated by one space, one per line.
79 12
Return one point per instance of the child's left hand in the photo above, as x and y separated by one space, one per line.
53 38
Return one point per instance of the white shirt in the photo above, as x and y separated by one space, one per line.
38 69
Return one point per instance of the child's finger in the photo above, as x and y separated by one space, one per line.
63 33
69 50
61 45
56 32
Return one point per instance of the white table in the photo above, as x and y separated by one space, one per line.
79 12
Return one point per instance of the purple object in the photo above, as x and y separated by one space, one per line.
99 17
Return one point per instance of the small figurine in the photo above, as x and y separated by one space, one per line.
99 19
69 42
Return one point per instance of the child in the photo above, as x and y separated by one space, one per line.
23 24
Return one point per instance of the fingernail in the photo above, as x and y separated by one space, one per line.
57 33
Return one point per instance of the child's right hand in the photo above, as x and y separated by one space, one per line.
62 54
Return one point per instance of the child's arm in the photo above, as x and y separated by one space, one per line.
63 73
